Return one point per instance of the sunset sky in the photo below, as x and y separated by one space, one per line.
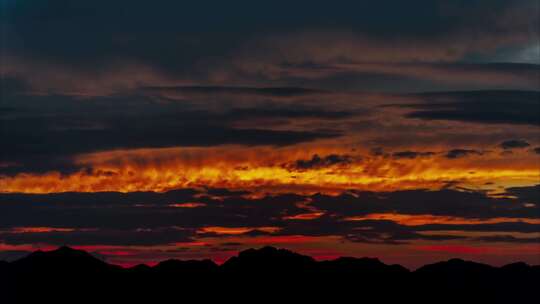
142 131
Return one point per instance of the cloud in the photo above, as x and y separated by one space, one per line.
148 210
149 218
136 237
417 76
28 153
444 202
46 132
236 90
447 42
507 227
514 144
100 98
317 162
367 231
458 153
488 107
508 239
530 194
411 154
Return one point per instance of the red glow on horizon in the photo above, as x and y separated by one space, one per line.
457 249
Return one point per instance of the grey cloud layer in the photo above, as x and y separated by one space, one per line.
43 133
489 107
105 46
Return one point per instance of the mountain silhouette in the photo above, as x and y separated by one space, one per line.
348 265
193 267
62 260
70 276
269 260
521 268
3 266
456 267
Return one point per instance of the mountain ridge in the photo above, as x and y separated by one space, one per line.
65 274
68 254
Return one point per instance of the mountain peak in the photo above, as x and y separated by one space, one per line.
187 266
61 260
360 265
455 266
62 252
65 248
268 259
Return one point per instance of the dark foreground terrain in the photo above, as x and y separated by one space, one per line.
268 274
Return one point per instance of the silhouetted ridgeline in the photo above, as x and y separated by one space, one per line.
73 276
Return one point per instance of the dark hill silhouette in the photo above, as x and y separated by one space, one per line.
74 276
3 266
456 267
193 267
141 269
521 268
62 260
269 260
513 283
348 265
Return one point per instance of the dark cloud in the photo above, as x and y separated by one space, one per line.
514 144
537 150
299 112
138 237
321 162
42 150
446 202
411 154
508 239
377 151
42 133
492 107
417 77
47 28
529 194
458 153
149 210
187 43
365 231
496 227
148 218
249 91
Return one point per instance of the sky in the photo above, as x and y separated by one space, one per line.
403 130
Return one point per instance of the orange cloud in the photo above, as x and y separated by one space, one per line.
187 205
262 169
425 219
237 230
40 229
305 216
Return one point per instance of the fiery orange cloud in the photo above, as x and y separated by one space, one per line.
237 230
424 219
305 216
187 205
265 169
40 229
